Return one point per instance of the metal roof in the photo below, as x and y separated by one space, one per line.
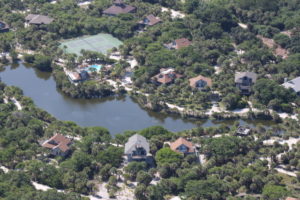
136 141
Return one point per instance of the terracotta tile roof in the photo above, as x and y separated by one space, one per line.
166 76
182 42
193 81
57 141
150 20
291 198
181 141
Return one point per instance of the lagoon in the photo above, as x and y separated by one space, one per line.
115 114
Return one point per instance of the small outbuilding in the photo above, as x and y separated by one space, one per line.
3 27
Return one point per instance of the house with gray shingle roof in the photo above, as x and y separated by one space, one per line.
294 84
244 81
33 19
137 148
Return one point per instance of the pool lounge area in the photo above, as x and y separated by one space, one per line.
92 68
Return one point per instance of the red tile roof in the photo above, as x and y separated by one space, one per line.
194 80
58 141
291 198
181 141
166 76
182 42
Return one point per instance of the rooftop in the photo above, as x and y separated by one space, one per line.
193 81
150 20
38 19
166 76
294 84
136 141
240 75
182 42
119 7
57 141
181 141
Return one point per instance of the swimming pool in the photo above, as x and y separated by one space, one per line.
92 68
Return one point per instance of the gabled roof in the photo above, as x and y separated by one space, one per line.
240 75
3 25
166 76
152 20
294 84
181 141
136 141
291 198
57 141
119 8
194 80
182 42
38 19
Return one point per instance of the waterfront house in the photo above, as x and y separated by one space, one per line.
149 20
3 27
59 145
243 131
33 19
137 148
293 84
119 7
200 82
166 76
181 145
244 81
178 43
74 77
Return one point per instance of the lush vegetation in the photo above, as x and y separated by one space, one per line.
224 35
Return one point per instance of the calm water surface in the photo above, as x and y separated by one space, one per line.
117 115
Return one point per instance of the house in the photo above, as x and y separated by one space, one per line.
293 84
181 145
178 44
243 131
119 7
38 19
150 20
244 81
74 77
137 148
200 82
3 27
59 145
166 76
291 198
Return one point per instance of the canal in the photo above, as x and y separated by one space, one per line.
117 115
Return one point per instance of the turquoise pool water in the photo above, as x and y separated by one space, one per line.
96 67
